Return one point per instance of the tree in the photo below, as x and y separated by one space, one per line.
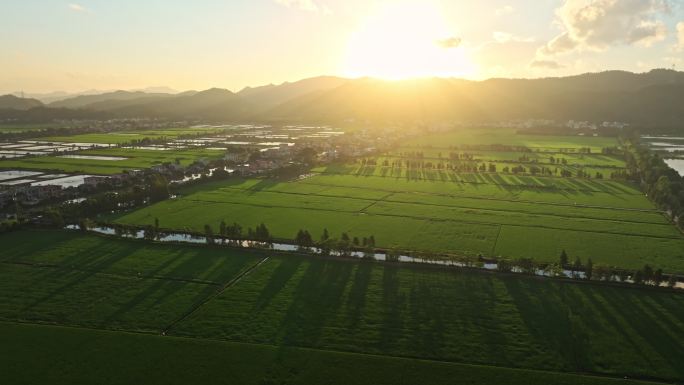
118 230
526 265
223 229
149 232
355 241
303 239
658 277
84 224
647 273
504 265
262 233
307 156
577 266
234 231
209 234
55 218
343 244
563 258
638 277
589 270
158 188
325 235
371 241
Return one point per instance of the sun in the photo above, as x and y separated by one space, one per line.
406 39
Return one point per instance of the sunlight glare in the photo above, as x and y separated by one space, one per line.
400 40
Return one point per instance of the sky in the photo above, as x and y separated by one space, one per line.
53 45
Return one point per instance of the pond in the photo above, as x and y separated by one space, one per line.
676 164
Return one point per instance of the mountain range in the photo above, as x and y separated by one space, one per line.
652 99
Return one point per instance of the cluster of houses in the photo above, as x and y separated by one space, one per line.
28 195
246 160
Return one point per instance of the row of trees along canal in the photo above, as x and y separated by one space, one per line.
664 185
260 236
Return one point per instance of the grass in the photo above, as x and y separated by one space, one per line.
567 191
76 279
121 137
449 315
17 128
439 217
73 279
34 354
542 158
509 137
136 159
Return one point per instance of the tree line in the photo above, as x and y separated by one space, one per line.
663 185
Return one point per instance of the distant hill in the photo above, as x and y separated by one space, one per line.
83 101
652 99
213 104
17 103
272 95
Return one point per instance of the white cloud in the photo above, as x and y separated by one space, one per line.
505 10
680 37
305 5
598 24
77 7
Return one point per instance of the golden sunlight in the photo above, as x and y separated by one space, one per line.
409 39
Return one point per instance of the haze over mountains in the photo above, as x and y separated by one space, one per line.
653 99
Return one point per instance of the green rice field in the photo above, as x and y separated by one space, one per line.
609 222
121 137
56 355
135 159
436 208
272 310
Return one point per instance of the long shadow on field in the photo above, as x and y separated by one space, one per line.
163 289
279 278
393 302
499 182
657 346
478 311
356 300
621 189
316 299
426 321
545 316
263 184
93 269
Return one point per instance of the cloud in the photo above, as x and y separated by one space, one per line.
450 42
680 37
77 8
305 5
546 64
598 24
505 10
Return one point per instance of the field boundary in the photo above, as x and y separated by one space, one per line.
486 198
385 199
218 292
484 223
